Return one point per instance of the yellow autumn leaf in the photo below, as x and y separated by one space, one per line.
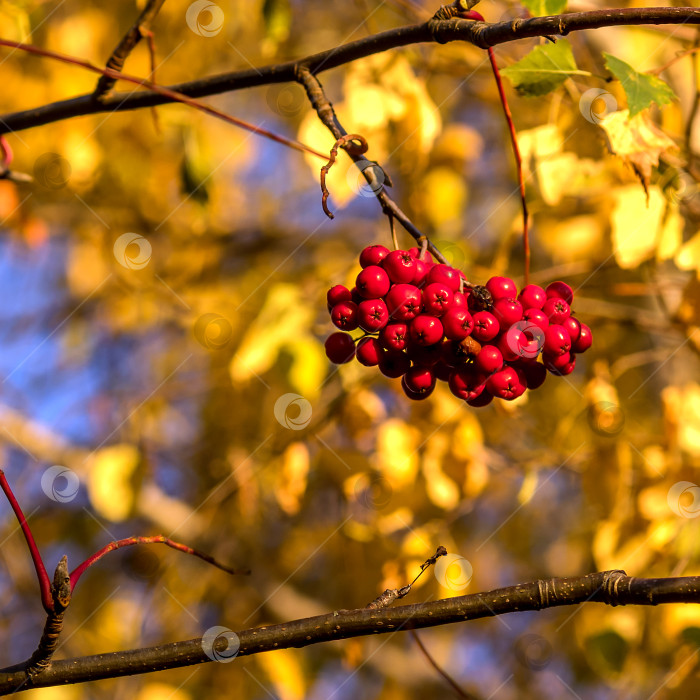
637 141
397 455
688 257
441 490
291 482
283 668
443 196
309 365
573 238
467 438
282 316
636 226
671 236
162 691
682 411
109 480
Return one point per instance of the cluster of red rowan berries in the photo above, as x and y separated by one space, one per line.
425 322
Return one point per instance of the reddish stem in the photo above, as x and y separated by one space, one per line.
155 539
44 581
473 14
166 92
6 154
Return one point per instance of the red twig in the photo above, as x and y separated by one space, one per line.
166 92
518 160
44 581
455 686
151 41
5 153
155 539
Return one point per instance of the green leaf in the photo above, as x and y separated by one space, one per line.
544 69
641 89
544 8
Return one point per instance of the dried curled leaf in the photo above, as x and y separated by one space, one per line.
638 141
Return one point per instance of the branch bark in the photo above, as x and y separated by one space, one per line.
440 31
608 587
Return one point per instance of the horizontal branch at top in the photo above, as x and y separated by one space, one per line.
480 34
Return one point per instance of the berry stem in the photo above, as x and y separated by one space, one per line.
155 539
392 227
42 576
518 160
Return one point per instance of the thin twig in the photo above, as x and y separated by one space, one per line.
141 28
354 144
42 576
173 95
155 539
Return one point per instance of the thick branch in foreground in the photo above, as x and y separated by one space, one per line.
609 587
441 31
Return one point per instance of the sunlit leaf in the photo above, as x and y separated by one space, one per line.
542 8
641 89
109 480
283 668
397 456
544 69
291 483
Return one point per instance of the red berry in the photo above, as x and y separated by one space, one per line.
489 359
420 380
340 348
556 310
535 374
394 336
556 340
437 298
372 315
394 364
460 300
356 296
532 297
415 253
442 371
400 266
507 312
415 395
458 323
453 354
373 255
510 344
483 399
368 352
426 330
561 290
505 384
585 339
556 366
466 383
404 302
554 363
502 288
344 315
425 355
373 282
486 326
537 317
573 326
446 275
422 269
337 294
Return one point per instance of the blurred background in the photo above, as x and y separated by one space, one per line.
163 286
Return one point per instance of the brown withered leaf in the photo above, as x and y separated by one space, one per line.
638 141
